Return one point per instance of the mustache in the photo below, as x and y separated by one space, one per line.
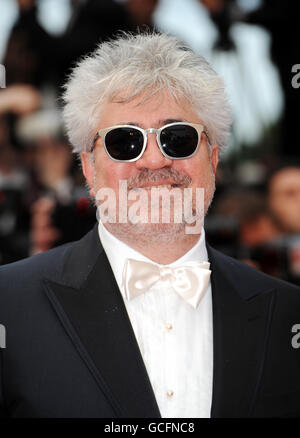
148 175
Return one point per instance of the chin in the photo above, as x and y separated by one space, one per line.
147 233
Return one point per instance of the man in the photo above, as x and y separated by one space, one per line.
284 198
128 321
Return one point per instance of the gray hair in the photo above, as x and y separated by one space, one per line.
133 64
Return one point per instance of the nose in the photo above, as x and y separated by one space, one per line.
152 158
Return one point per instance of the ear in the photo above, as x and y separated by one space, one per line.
215 158
88 170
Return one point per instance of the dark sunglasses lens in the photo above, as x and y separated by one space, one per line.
124 143
179 141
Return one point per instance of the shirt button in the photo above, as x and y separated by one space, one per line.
170 393
168 326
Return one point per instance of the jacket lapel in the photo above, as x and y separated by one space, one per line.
92 311
242 310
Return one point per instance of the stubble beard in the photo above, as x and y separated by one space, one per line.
154 233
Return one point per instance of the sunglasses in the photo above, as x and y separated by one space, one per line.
176 141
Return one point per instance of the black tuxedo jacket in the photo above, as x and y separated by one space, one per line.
71 351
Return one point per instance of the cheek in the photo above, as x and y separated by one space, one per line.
109 173
199 170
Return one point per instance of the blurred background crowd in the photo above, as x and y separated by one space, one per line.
252 43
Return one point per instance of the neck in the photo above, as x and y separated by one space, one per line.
161 248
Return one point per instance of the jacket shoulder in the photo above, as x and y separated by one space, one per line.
58 264
31 269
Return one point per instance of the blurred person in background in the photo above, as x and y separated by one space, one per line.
30 56
16 101
284 203
284 198
261 227
257 224
59 204
14 215
223 13
241 221
93 21
281 19
141 13
255 48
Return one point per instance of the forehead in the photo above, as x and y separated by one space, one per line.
147 111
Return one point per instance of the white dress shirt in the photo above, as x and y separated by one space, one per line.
175 340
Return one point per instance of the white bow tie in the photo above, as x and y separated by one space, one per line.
189 280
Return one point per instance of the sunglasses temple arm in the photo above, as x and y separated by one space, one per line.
207 136
94 141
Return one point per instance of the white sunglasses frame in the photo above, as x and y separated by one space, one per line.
103 132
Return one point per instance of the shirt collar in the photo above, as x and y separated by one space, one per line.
117 252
